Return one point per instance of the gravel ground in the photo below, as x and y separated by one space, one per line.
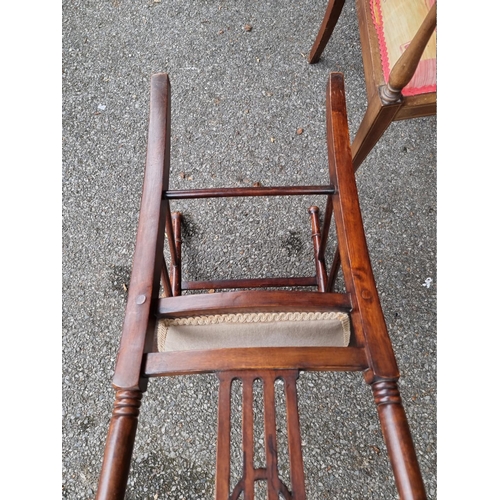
238 98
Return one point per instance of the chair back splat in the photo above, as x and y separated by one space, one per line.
253 333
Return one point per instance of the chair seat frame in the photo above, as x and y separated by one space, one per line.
369 351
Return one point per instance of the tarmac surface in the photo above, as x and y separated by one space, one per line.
238 98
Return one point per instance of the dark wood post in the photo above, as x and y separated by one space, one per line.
398 440
119 446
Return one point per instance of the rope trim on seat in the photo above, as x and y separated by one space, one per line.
255 318
245 318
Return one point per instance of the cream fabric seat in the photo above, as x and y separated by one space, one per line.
288 329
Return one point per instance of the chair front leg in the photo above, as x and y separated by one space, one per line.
119 445
398 440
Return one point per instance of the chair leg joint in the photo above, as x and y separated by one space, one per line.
386 392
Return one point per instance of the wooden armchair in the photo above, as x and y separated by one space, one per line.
257 334
398 43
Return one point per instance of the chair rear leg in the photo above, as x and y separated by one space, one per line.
119 445
398 440
332 14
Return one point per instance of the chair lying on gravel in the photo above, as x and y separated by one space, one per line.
258 331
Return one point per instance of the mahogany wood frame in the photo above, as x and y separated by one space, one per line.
386 103
369 351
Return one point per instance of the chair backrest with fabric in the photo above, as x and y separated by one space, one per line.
397 22
398 46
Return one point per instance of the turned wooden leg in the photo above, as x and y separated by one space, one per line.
332 14
398 440
377 118
119 446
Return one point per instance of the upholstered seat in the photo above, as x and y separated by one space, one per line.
288 329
